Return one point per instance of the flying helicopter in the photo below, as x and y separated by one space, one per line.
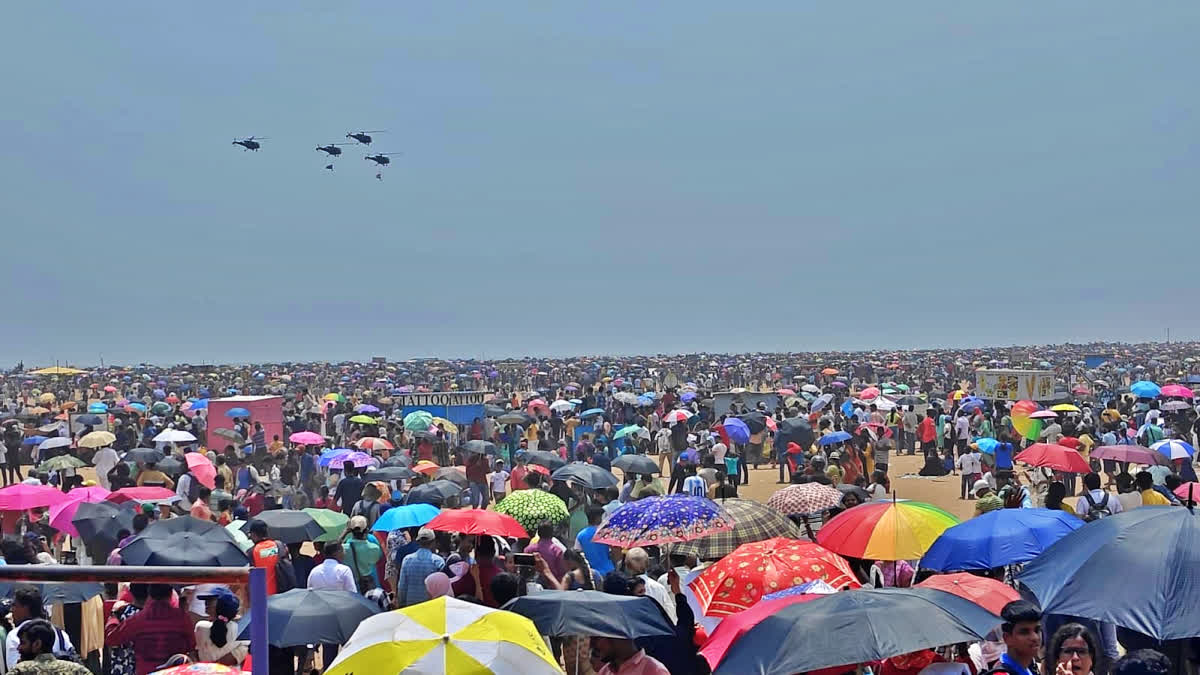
382 159
251 143
333 149
364 137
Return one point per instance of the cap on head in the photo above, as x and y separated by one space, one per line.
425 534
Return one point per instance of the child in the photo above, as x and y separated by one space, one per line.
498 480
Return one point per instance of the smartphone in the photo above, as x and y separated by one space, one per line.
523 559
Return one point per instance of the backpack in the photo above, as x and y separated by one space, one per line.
285 573
1096 511
370 511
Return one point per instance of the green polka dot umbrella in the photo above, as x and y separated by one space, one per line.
533 507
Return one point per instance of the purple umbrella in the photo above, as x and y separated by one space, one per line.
359 459
688 396
839 384
365 408
737 430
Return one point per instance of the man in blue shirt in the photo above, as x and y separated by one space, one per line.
1022 632
597 555
410 587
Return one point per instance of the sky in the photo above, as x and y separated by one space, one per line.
582 178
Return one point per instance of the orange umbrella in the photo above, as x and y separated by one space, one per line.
988 593
830 371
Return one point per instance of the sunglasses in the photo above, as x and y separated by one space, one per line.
1076 651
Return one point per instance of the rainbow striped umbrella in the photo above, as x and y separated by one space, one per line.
895 530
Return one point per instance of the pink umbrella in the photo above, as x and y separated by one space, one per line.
61 514
537 403
23 497
141 494
307 438
202 468
786 392
1043 415
359 459
869 393
1177 390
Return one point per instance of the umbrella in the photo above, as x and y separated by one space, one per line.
988 593
533 507
304 616
885 622
752 522
200 669
97 439
833 438
55 592
434 492
332 522
475 521
794 430
846 488
230 435
591 412
739 580
597 613
358 459
410 515
561 405
445 635
1043 415
805 499
141 494
89 420
389 473
367 419
99 522
889 530
549 460
365 408
677 416
869 393
659 520
732 628
820 402
737 430
184 541
307 438
61 463
174 436
398 460
97 408
144 455
492 410
628 430
1145 389
998 538
514 417
1051 456
634 463
1174 449
1174 406
587 475
22 497
418 420
372 444
52 443
202 468
1176 390
62 513
480 447
454 474
237 412
290 526
1158 546
1065 407
1138 454
755 421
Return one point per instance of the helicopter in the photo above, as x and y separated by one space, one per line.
251 143
382 158
364 136
333 149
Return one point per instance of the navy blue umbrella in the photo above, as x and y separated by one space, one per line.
587 475
884 622
592 613
1136 569
89 420
997 538
794 430
737 430
306 616
54 592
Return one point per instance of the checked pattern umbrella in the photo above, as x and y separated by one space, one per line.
532 507
659 520
806 499
753 522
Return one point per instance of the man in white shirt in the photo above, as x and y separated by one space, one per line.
970 465
331 574
1102 499
27 606
636 563
718 453
104 460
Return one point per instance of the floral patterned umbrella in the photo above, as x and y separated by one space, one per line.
739 580
660 520
805 499
533 507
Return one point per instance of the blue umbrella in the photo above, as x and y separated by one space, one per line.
1145 389
97 408
591 412
412 515
970 404
200 404
308 616
987 445
89 420
1155 548
998 538
1174 449
592 613
688 396
645 401
331 454
33 440
737 430
237 412
835 437
662 520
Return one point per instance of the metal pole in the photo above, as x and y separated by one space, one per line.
258 621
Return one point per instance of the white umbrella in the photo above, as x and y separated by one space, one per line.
811 388
56 442
174 436
562 405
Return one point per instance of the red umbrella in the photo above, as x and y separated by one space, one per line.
140 494
202 468
735 626
1053 457
740 579
988 593
476 521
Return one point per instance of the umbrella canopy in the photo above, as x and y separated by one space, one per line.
885 622
202 468
144 455
533 507
1158 546
732 628
289 526
1145 389
332 522
306 616
739 580
409 515
1138 454
997 538
374 444
475 521
988 593
436 492
596 613
357 458
752 522
454 474
184 541
677 416
367 419
100 521
230 435
654 521
629 430
61 463
445 635
88 420
805 499
54 592
97 408
794 430
174 436
1176 390
307 438
1051 456
515 417
141 494
834 438
885 530
549 460
634 463
22 497
418 420
1174 449
97 439
738 431
237 412
479 447
587 475
389 473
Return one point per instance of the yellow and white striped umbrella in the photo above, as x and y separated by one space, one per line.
445 635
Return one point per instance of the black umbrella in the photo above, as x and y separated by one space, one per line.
587 475
54 592
636 464
480 447
542 458
848 489
99 523
514 417
171 466
144 455
436 493
184 541
305 616
886 622
492 410
230 435
398 460
755 421
794 430
592 613
389 473
453 475
289 526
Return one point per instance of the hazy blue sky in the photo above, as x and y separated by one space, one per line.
616 177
